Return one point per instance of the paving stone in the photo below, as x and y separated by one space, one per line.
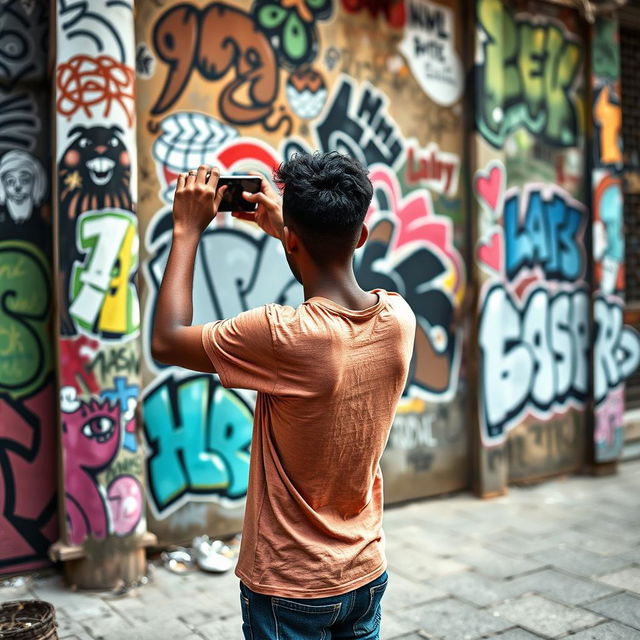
633 554
417 565
596 542
396 624
581 562
230 629
608 631
410 636
452 619
498 565
515 634
561 587
516 543
16 589
544 617
622 607
73 604
67 627
402 592
157 630
617 529
476 588
628 579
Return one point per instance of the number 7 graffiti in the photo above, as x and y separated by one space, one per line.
104 297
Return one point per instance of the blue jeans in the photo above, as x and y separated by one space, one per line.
355 614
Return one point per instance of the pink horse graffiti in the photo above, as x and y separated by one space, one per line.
91 439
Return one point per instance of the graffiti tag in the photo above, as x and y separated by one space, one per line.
527 76
198 435
104 296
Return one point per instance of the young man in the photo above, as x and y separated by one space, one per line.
329 375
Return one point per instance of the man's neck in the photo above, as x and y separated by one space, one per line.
338 284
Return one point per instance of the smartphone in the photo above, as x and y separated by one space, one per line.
232 199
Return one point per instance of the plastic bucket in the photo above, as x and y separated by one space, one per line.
27 620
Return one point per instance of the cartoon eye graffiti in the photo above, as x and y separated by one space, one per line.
12 45
99 428
83 143
114 142
291 27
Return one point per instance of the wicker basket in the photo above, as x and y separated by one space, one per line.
27 620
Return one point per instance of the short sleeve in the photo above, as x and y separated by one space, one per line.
242 351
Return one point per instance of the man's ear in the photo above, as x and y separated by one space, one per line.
364 234
290 240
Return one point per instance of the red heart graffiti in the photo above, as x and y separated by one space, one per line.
489 186
489 251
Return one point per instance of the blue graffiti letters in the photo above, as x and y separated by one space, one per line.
199 434
548 234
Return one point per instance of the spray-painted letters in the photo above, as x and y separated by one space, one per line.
527 76
198 435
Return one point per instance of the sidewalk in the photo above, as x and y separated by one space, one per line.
561 559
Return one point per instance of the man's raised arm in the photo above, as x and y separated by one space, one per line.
174 340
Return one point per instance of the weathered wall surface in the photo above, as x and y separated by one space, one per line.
608 237
535 331
244 86
28 519
97 244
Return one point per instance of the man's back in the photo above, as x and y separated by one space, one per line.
329 380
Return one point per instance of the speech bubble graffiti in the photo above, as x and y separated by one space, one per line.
428 46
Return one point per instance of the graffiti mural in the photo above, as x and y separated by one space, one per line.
527 75
608 228
194 452
98 248
429 48
28 496
103 294
536 360
27 443
239 46
290 68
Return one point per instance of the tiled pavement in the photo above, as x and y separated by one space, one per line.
560 559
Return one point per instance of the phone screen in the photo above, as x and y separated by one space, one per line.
232 199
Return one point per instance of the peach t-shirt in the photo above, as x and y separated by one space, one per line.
328 381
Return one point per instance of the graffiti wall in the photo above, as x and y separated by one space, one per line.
541 353
244 86
533 316
28 519
608 228
97 244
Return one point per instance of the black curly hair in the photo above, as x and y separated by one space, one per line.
325 197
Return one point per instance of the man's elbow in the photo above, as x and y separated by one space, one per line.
161 350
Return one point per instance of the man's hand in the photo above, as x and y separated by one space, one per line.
196 200
268 215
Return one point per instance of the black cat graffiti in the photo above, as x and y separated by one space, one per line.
93 173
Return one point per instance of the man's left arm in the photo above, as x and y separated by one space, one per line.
175 341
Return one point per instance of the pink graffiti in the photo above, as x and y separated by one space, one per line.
28 522
489 251
610 418
417 221
490 185
91 438
125 502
